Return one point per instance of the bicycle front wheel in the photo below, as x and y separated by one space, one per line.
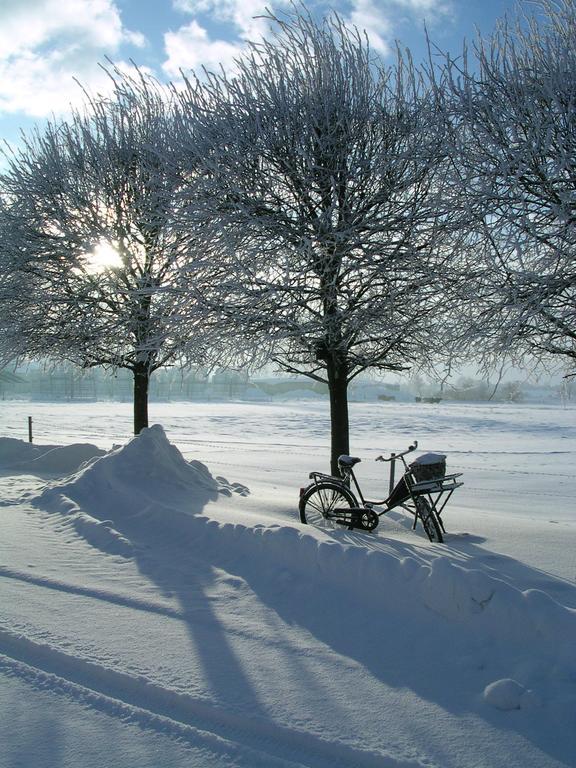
428 518
318 502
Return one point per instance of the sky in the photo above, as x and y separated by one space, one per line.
48 47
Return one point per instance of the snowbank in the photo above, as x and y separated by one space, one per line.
16 455
147 479
154 597
145 491
146 473
483 605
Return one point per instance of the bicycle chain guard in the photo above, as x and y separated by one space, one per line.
362 518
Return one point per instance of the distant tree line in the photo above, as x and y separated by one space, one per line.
317 208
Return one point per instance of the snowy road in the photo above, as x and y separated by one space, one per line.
235 637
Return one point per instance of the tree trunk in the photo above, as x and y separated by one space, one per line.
339 425
141 382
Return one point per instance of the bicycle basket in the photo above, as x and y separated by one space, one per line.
429 466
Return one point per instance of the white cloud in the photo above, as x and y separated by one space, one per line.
45 44
432 11
191 6
380 18
241 14
191 48
439 6
367 15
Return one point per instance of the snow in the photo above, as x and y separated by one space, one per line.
508 694
161 604
430 458
46 459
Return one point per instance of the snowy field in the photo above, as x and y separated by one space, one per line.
162 606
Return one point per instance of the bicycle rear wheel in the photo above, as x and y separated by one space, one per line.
319 501
428 518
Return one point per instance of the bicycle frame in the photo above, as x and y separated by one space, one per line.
437 491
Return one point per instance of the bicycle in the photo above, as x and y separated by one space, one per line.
423 491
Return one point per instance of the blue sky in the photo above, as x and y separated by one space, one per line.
46 44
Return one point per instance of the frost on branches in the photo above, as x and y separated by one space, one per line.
107 178
512 109
323 187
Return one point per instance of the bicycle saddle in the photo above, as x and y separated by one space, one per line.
348 461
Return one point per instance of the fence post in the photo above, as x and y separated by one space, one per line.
29 429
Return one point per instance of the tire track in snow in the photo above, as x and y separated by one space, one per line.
129 713
198 722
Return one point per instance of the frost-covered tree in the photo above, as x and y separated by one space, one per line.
103 183
512 109
323 183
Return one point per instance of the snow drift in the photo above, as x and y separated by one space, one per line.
148 479
147 578
146 492
18 456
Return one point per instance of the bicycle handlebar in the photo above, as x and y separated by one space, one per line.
394 456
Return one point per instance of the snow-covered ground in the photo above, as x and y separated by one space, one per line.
162 606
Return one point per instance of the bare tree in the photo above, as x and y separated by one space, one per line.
323 184
512 110
107 179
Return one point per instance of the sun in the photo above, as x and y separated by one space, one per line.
103 257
